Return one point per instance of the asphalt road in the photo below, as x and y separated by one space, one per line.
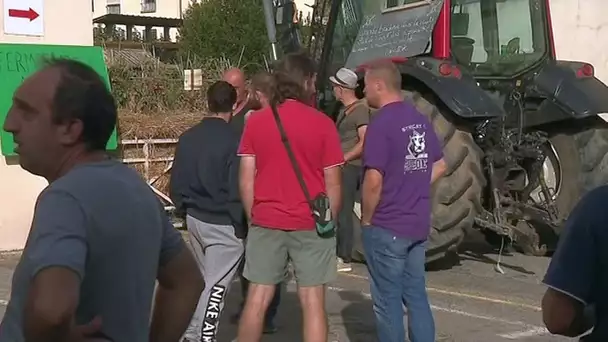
471 302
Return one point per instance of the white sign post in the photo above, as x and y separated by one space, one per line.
24 17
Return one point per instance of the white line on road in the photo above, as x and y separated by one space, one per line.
458 293
535 331
531 330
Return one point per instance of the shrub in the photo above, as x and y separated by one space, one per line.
231 29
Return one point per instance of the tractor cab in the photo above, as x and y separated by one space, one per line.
499 38
489 39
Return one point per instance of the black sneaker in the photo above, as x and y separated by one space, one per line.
269 328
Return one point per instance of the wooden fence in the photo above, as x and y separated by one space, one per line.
148 160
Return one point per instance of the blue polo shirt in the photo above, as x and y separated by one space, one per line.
579 267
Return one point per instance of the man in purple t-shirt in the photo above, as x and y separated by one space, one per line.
402 157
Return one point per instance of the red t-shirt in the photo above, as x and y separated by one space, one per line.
279 201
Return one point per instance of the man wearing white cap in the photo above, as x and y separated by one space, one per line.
352 122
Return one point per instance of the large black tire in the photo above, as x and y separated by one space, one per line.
592 145
456 196
582 156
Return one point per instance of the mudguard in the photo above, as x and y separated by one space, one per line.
576 94
460 94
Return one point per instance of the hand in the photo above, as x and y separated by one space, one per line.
82 333
365 223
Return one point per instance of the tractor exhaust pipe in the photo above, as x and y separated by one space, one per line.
271 29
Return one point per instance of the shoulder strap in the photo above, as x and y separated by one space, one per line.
292 157
347 111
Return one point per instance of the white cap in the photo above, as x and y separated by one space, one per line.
345 78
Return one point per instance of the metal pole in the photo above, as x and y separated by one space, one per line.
271 30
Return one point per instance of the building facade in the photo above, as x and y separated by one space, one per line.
173 9
18 188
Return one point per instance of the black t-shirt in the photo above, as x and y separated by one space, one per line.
238 119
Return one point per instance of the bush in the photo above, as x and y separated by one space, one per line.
231 29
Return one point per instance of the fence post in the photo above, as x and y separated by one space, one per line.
147 160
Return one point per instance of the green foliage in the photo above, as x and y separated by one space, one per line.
227 29
151 88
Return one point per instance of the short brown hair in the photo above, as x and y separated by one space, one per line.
298 65
387 71
291 73
221 97
265 83
82 94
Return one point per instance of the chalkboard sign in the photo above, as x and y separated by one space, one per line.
400 32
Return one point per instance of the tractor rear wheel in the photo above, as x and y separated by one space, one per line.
580 161
457 195
576 162
592 145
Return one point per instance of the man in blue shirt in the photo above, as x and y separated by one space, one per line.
100 239
577 277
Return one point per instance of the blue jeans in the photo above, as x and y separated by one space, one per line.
396 268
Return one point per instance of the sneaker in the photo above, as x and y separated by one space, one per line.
344 266
269 328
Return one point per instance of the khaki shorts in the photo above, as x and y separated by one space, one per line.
268 252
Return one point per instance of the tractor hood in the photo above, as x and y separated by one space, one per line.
396 32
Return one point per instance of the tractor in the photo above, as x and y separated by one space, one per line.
524 135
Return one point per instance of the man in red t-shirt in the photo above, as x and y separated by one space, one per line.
283 228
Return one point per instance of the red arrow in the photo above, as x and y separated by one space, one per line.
29 14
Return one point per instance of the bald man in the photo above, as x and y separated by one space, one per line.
236 77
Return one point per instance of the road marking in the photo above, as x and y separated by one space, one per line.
531 330
466 295
537 331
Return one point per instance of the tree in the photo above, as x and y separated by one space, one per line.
224 29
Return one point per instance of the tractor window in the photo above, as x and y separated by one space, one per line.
404 3
498 37
347 26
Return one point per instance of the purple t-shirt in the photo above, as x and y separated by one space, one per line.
400 143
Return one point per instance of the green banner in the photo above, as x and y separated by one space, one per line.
18 61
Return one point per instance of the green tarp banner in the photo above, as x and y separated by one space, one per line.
18 61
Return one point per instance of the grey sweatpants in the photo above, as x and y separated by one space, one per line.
218 253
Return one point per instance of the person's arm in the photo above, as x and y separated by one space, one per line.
57 252
180 284
375 160
436 155
370 194
361 116
439 169
235 207
571 275
247 167
246 183
332 159
176 180
333 188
